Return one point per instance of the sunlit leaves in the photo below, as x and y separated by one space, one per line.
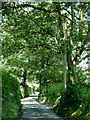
39 32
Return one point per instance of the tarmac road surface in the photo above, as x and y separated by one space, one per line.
33 110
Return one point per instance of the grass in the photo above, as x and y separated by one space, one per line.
74 107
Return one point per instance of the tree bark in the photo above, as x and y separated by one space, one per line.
69 51
40 83
24 83
65 59
62 27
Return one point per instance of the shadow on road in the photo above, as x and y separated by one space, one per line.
33 110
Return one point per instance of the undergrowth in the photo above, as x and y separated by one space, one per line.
73 107
10 96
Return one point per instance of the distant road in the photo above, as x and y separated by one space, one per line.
33 110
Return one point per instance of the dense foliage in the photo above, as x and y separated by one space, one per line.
45 43
11 102
75 104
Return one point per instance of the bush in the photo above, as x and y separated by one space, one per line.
75 104
25 90
10 96
54 91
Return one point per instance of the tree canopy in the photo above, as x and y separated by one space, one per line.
45 42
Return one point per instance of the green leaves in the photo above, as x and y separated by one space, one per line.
10 95
37 40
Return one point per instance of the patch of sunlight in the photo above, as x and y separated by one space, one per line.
80 105
87 115
57 101
36 85
74 113
25 99
79 44
32 84
44 99
73 82
77 112
21 89
32 103
11 94
36 93
65 108
61 72
29 84
27 102
86 81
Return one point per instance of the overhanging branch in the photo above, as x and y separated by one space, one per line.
37 8
78 54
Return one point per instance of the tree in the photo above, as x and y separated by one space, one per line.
26 26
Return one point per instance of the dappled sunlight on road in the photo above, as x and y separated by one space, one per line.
32 109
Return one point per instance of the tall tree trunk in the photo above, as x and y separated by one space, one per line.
24 84
24 77
65 59
65 74
62 27
40 82
69 51
44 65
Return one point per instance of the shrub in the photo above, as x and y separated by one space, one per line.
10 95
54 91
75 104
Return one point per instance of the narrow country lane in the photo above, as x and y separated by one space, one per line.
32 109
